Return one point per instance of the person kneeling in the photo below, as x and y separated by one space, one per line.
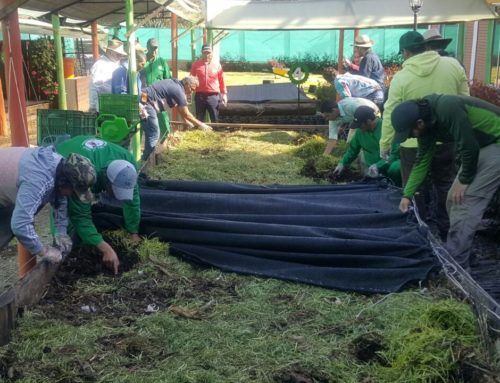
368 130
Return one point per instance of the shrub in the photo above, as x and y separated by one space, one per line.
42 68
325 91
485 92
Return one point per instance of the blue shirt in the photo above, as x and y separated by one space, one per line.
119 81
36 187
371 67
170 91
350 85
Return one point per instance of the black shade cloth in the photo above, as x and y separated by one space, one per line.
265 93
5 231
348 237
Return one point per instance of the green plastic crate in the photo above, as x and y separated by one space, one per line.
52 123
121 105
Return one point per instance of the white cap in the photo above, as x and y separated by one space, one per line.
123 177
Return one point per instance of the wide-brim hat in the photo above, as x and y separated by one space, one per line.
117 47
433 39
363 41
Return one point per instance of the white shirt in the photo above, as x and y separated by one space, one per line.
100 83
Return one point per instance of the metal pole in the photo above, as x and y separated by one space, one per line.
16 96
56 26
414 20
3 115
498 63
135 141
193 45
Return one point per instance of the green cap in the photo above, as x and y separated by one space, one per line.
411 40
81 175
404 118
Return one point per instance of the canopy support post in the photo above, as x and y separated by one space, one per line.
56 26
16 97
95 41
135 141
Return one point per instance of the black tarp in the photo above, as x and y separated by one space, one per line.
265 93
347 237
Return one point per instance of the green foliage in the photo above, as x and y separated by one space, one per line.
325 91
315 62
489 93
42 68
312 146
430 345
394 59
240 64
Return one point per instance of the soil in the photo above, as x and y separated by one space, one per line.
367 347
298 374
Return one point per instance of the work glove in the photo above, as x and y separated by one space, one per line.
205 127
384 154
338 170
372 171
224 99
64 243
143 113
347 63
51 254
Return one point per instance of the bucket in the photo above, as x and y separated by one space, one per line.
69 67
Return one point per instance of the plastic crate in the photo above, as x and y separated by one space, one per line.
121 105
52 123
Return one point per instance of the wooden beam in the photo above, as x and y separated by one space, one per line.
27 291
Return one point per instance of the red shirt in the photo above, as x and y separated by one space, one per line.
210 76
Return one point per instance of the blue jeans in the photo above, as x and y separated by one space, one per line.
151 129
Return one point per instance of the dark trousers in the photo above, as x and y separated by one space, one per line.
431 196
207 102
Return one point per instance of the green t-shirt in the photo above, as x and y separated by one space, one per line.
156 70
101 153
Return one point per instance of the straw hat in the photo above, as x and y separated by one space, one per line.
117 47
363 41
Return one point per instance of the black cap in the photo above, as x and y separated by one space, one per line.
362 114
152 43
411 40
404 118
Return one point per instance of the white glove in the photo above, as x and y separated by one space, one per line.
205 127
143 113
384 154
64 243
372 171
347 62
224 99
51 254
339 169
